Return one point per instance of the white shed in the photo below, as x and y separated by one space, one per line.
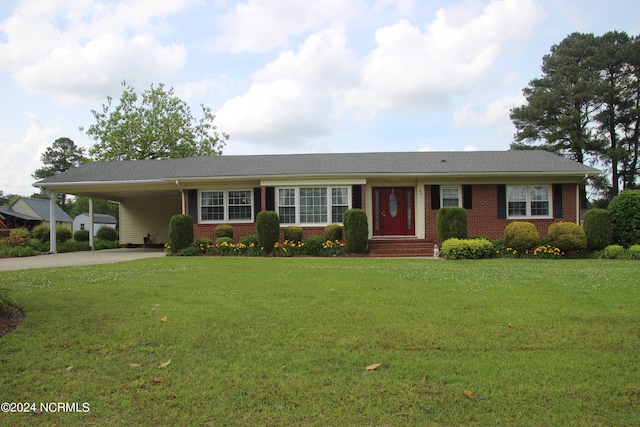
81 222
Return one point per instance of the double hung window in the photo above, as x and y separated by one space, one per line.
226 205
450 196
525 201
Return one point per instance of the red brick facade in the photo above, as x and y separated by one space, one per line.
482 216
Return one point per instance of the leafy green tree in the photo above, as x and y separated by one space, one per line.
586 106
81 205
152 125
63 155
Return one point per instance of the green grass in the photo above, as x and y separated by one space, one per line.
272 341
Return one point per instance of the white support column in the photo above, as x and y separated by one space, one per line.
52 223
91 224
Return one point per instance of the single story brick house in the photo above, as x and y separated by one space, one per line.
401 192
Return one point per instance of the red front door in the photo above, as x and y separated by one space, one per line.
393 213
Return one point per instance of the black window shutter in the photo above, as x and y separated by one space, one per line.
270 203
356 196
435 197
557 200
257 201
193 204
467 197
502 201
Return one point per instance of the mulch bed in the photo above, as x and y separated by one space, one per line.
10 319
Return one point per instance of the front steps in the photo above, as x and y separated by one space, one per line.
400 247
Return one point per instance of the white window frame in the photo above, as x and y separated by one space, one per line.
450 187
226 205
528 200
328 211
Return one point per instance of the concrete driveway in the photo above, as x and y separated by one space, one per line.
105 256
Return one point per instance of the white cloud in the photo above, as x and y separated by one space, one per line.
494 113
24 152
85 47
295 95
470 148
262 25
415 69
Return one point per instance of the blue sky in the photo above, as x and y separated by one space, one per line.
285 76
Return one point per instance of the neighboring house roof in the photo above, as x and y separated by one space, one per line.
355 164
100 218
42 209
7 211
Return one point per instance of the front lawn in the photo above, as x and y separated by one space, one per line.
204 341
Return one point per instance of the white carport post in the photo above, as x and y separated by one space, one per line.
52 223
91 224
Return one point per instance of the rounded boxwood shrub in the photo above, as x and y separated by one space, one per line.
109 234
467 248
356 230
249 240
293 233
567 236
521 236
224 230
21 232
42 232
613 252
625 218
81 235
63 233
313 245
634 252
180 232
333 232
267 229
597 228
451 222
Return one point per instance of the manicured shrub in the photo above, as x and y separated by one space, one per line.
634 252
20 232
224 230
180 232
188 251
293 233
105 244
567 236
521 236
356 230
63 233
267 229
333 232
451 223
625 218
72 246
613 252
42 232
109 234
249 240
597 228
313 246
224 241
467 248
81 235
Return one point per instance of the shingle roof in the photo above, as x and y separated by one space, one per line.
101 218
476 162
7 211
42 208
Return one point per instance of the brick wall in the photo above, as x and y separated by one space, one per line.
483 216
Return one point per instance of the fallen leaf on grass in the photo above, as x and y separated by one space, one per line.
158 380
426 377
622 307
134 365
373 367
69 368
510 325
165 364
164 319
469 394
